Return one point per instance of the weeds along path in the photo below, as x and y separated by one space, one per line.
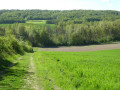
32 83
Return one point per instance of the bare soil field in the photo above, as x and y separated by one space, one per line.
86 48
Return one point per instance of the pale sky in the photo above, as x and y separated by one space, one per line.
61 4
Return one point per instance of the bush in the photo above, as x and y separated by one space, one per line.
9 45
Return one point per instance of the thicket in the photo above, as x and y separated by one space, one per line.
10 45
68 34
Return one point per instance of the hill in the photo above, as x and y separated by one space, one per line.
55 16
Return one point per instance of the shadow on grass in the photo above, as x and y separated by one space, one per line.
10 77
4 64
6 70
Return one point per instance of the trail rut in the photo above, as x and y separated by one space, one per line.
32 83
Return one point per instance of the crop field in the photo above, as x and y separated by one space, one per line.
78 70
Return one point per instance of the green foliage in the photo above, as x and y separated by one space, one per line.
55 16
45 39
5 47
70 27
9 46
68 34
78 70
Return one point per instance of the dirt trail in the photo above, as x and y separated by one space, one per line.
32 83
83 48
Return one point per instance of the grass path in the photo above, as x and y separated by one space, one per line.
45 80
20 75
12 78
31 81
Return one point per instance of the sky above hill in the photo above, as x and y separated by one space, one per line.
61 4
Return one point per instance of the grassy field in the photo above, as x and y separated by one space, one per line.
39 22
31 22
98 70
50 70
36 21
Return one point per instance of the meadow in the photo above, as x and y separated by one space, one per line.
32 23
36 21
93 70
96 70
39 22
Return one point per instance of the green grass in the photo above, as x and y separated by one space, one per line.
39 22
5 25
98 70
36 21
31 22
13 78
35 49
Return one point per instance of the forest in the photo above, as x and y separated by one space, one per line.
58 16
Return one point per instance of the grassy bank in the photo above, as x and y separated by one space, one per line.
13 78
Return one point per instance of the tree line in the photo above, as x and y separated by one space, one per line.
68 34
56 16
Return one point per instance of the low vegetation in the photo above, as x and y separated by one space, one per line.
65 70
78 70
14 78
